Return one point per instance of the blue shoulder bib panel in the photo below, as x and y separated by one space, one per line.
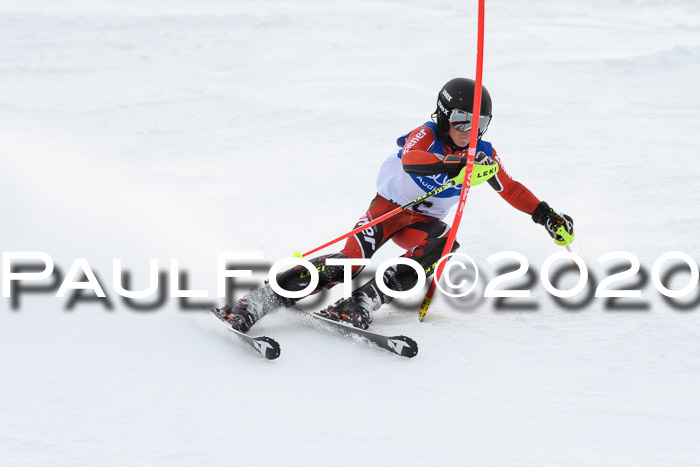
431 182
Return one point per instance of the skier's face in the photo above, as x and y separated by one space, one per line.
460 138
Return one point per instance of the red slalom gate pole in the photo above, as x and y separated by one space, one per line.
471 153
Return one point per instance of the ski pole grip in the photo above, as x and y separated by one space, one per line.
568 238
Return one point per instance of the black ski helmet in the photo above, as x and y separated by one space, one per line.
458 93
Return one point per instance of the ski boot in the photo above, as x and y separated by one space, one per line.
256 304
359 308
249 309
241 315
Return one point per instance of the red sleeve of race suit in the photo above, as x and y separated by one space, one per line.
512 191
415 157
417 160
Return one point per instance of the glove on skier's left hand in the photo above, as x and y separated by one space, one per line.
552 221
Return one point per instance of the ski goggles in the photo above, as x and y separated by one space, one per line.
461 120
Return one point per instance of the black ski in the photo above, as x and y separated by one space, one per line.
400 345
266 346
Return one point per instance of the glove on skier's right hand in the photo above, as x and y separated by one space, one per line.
454 166
456 162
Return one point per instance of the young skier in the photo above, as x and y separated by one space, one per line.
430 156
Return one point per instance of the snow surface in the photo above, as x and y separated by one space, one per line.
176 129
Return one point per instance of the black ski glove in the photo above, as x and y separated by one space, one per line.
483 159
546 216
454 164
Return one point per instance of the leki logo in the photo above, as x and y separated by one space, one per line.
446 95
491 171
320 268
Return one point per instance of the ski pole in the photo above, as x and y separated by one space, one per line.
471 153
568 238
380 219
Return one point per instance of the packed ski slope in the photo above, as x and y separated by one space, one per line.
178 129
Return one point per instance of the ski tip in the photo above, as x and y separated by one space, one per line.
268 347
404 346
